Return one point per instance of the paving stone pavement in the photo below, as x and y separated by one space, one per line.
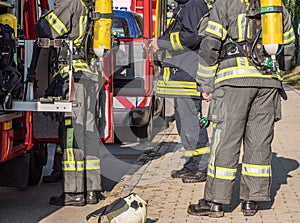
169 198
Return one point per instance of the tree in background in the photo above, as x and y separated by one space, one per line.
293 6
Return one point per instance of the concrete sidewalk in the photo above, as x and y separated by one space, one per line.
169 198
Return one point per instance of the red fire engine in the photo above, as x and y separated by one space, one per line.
128 89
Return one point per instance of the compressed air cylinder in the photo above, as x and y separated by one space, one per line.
102 27
272 28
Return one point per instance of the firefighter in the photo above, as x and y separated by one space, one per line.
81 163
180 43
245 100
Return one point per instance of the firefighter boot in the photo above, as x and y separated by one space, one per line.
206 208
180 173
93 197
68 199
194 177
249 208
55 176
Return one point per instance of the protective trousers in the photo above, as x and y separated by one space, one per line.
194 138
58 155
241 115
81 165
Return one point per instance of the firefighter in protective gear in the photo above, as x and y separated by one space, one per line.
181 43
245 104
81 163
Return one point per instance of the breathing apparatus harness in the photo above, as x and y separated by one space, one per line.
10 77
264 39
253 48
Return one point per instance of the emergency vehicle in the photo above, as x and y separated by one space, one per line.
127 98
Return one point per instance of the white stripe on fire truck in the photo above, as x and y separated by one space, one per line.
132 102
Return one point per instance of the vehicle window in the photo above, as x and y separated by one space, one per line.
120 27
140 24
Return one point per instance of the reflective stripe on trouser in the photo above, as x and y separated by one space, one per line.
241 115
81 163
193 137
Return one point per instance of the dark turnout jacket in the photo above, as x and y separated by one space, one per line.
227 21
181 44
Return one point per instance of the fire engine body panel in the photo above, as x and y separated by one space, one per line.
127 91
133 82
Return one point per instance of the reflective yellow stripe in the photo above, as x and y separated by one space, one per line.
68 166
211 170
242 61
197 152
73 166
82 29
225 173
56 23
78 65
92 165
178 92
80 165
216 29
211 165
206 71
177 84
256 170
69 144
68 121
175 41
221 172
241 27
166 74
240 72
288 36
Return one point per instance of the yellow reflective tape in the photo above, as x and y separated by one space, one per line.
166 74
68 166
256 170
241 23
177 84
172 41
289 36
177 36
82 26
197 152
206 71
68 121
92 168
217 137
240 72
179 92
80 165
69 144
216 29
84 5
56 23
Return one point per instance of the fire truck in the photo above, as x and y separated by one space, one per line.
127 99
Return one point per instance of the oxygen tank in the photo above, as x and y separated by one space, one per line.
272 26
102 27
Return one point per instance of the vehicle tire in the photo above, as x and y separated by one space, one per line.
38 158
144 133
